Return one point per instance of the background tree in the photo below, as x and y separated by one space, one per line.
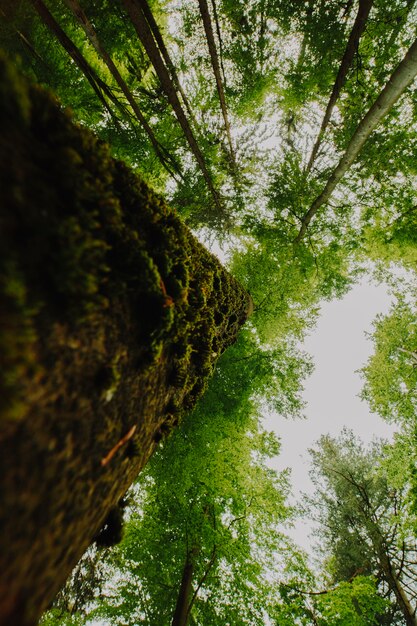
390 374
364 521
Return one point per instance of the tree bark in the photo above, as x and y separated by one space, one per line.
111 317
145 35
401 78
181 613
89 30
351 47
208 28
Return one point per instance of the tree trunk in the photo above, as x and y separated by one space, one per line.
181 613
397 589
145 35
93 38
219 37
111 317
402 77
208 28
27 44
98 85
351 47
165 55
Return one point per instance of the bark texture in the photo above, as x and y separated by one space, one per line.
111 318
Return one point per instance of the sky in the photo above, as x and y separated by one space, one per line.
339 347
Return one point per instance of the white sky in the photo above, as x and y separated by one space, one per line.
339 347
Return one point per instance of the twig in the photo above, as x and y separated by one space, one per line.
118 445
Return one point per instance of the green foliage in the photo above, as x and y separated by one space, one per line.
390 374
366 524
354 603
209 489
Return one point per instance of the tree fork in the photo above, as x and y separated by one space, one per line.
181 612
104 297
396 587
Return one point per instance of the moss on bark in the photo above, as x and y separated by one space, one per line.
112 316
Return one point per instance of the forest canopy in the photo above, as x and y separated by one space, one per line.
284 133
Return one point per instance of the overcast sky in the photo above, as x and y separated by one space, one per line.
339 347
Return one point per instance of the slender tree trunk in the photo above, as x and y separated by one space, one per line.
88 28
208 28
219 37
397 589
27 44
98 85
401 78
351 47
166 56
145 35
181 613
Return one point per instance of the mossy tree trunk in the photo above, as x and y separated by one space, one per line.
111 315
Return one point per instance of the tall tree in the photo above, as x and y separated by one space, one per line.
208 28
166 56
363 519
89 30
145 35
99 86
112 314
402 77
345 65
